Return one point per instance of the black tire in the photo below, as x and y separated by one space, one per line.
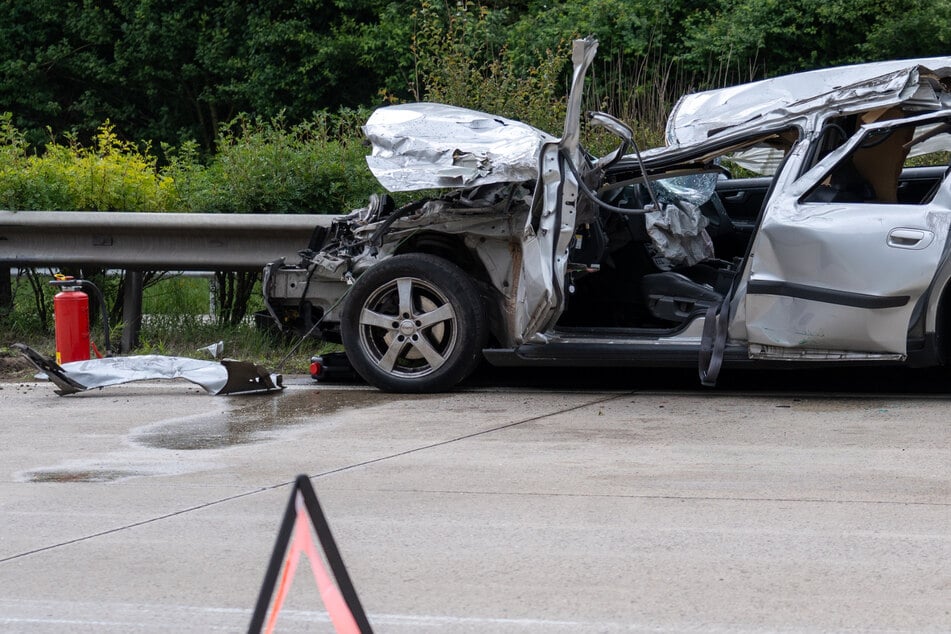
414 323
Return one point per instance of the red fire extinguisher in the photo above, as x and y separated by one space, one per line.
71 316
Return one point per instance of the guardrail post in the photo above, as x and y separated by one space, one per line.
131 311
213 297
6 290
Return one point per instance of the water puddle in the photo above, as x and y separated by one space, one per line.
255 419
234 422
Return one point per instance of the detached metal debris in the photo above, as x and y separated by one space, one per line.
227 377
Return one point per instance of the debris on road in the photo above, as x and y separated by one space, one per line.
226 377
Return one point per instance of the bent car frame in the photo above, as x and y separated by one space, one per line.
800 219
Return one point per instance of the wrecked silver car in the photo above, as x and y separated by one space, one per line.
800 219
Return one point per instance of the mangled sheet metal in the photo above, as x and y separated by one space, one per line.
227 377
698 116
431 145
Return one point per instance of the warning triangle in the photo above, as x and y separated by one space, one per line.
293 540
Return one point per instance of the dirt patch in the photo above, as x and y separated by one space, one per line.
15 368
100 475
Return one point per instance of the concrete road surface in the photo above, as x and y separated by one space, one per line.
154 508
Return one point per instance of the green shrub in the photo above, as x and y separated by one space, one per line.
261 166
111 175
268 166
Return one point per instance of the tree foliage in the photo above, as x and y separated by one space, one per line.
746 39
172 72
462 59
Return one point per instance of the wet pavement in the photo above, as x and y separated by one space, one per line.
522 503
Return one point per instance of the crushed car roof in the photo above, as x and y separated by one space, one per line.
698 116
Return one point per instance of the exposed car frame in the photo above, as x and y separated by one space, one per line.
828 249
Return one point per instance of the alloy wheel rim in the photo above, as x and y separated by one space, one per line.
408 328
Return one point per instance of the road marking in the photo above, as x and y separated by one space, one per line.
151 617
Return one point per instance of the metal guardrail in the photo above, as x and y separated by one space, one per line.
153 241
139 242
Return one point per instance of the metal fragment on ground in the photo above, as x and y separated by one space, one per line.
227 377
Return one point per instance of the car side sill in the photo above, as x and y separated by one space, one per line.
652 355
607 354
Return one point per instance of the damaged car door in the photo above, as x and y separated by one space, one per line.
843 262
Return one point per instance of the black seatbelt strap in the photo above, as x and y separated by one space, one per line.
716 324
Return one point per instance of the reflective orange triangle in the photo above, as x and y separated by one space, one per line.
303 543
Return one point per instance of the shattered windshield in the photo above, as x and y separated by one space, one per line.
693 188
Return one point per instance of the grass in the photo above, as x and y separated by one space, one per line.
177 295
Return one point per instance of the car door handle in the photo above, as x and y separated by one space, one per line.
735 197
906 238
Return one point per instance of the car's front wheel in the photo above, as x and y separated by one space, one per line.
414 323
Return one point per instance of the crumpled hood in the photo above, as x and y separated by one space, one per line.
431 145
698 116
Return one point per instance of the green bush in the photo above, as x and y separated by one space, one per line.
111 175
261 166
317 166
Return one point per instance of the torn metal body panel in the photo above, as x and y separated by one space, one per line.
799 219
432 145
227 377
